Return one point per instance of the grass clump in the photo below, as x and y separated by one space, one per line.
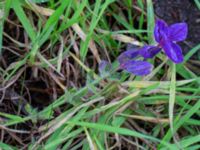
53 96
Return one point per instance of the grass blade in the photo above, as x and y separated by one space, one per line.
122 131
23 19
150 21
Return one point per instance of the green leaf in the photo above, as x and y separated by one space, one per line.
4 146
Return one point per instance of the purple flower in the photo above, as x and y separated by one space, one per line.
128 61
167 36
137 67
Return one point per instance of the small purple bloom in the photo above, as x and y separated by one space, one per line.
128 59
137 67
167 36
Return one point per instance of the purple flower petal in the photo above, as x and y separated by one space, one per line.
178 32
139 67
160 30
173 51
149 51
127 55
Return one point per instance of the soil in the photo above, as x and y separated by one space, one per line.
173 11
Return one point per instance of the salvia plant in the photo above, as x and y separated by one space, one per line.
134 60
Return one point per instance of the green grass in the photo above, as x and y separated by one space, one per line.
63 43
